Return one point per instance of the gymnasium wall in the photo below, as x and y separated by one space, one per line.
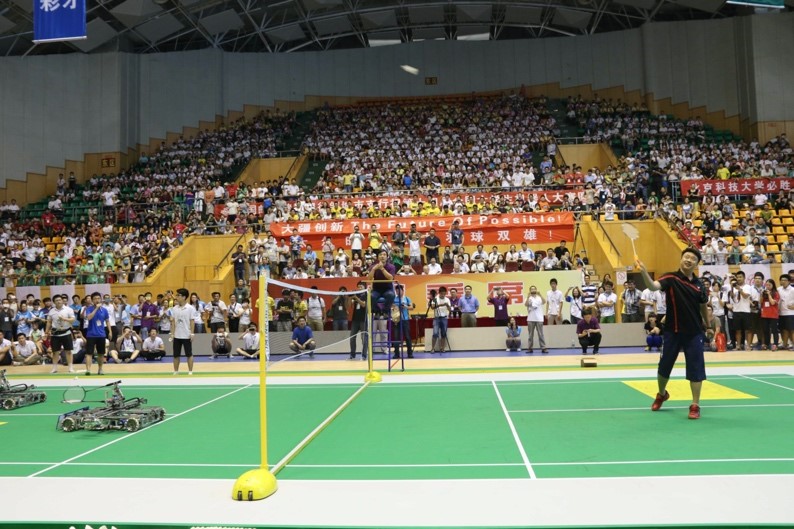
59 108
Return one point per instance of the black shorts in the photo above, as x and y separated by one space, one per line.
183 343
786 323
7 360
61 342
95 346
741 321
692 345
125 355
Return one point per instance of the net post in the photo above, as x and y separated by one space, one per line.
372 376
259 483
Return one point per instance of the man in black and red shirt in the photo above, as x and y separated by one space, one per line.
687 300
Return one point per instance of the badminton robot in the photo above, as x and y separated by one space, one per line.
119 413
18 395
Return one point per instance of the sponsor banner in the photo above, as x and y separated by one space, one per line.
738 186
534 228
418 288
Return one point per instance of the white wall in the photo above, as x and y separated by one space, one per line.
55 108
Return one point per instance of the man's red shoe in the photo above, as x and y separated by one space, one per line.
694 411
657 402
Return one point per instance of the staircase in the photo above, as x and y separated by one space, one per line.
303 123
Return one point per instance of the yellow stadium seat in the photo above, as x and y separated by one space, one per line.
778 229
788 221
784 213
772 248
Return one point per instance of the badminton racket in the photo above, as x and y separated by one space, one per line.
632 233
77 394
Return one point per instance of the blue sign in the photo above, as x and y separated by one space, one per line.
55 20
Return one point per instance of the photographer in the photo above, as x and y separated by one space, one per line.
441 307
127 346
631 304
221 345
358 324
250 348
217 311
770 313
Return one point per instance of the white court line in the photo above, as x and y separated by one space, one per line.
10 415
576 410
114 441
521 450
765 382
667 461
423 465
300 446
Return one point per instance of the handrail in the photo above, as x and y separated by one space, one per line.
597 218
217 268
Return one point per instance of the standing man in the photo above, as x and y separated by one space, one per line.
315 311
398 238
97 324
441 309
218 312
631 299
684 328
468 305
339 310
59 330
239 260
786 305
589 292
500 300
284 308
356 243
554 300
402 328
455 236
358 324
432 244
534 304
606 303
183 320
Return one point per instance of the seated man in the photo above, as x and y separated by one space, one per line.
6 353
250 348
153 347
128 346
302 339
25 352
589 331
221 345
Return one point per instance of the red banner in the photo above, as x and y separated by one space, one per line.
534 228
738 186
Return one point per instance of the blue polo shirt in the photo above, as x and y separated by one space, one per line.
302 335
468 304
95 328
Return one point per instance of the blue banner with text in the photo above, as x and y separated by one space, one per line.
57 20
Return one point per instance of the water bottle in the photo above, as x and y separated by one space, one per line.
573 343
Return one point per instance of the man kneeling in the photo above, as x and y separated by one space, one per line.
589 331
221 345
302 338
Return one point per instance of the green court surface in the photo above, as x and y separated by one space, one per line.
399 431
